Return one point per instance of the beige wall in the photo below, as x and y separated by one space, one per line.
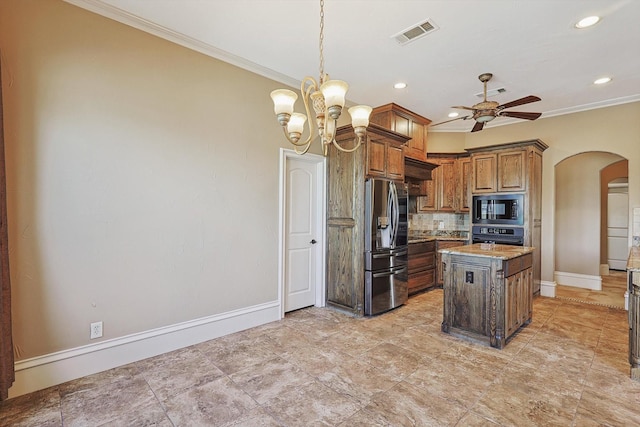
613 130
446 142
578 212
142 179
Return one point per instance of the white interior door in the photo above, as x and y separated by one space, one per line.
617 230
303 232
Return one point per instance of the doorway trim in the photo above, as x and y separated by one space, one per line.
321 168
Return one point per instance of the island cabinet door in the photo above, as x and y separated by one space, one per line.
513 304
469 297
518 300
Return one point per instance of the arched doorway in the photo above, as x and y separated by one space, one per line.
581 191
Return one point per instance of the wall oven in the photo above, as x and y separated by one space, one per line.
503 209
500 235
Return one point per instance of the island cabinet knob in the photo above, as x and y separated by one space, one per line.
313 241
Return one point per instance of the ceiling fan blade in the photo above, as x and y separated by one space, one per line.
478 126
452 120
521 101
462 107
520 115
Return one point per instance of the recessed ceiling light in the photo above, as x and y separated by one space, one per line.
588 21
400 85
454 114
602 80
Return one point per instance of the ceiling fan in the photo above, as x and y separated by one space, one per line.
486 111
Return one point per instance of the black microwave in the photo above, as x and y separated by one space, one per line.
507 209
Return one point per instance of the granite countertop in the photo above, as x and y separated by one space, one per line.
420 237
633 263
490 251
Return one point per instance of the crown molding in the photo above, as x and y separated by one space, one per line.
101 8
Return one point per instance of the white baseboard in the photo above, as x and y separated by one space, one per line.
584 281
51 369
547 289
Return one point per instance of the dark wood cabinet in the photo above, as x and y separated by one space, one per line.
400 120
385 157
483 173
422 263
427 201
502 169
464 184
448 190
346 174
512 171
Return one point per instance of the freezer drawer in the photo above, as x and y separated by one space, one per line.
384 260
385 290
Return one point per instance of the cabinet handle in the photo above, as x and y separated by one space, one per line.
313 241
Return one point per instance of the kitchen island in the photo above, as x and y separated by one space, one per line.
488 291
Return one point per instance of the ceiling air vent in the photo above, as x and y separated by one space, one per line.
491 92
415 32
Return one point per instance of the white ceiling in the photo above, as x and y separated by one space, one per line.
530 46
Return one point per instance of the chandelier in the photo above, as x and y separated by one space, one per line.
327 98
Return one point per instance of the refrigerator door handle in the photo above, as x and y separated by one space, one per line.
394 211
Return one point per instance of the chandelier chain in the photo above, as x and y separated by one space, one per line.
321 41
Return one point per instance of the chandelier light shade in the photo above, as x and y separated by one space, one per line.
327 97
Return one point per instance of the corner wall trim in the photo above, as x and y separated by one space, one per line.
51 369
547 289
584 281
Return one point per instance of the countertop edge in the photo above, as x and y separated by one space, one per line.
435 238
504 252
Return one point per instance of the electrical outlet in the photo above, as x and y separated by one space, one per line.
96 330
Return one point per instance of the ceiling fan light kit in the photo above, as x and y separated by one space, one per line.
327 98
486 111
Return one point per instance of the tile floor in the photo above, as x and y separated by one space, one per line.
614 286
318 367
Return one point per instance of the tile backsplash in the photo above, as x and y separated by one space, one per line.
439 221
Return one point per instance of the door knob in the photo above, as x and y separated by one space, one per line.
313 241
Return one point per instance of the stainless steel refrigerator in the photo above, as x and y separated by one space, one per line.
385 245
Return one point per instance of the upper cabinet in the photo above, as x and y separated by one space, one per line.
385 156
405 122
502 168
448 190
464 184
383 151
